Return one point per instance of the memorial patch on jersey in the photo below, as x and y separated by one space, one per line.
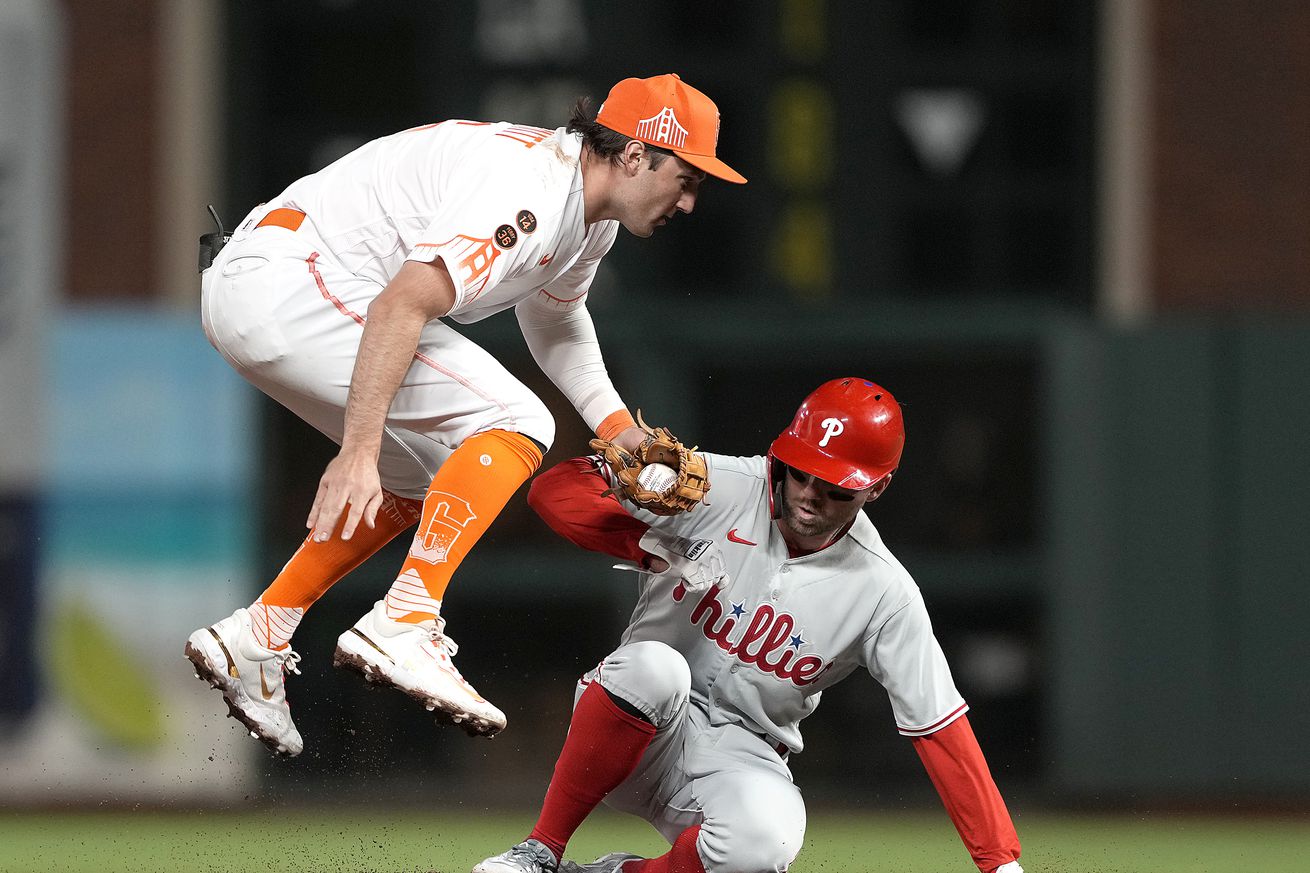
506 236
526 221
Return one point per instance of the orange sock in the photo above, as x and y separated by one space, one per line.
316 567
466 495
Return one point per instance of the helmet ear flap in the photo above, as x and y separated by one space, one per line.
777 469
777 472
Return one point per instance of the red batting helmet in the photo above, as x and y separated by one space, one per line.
848 432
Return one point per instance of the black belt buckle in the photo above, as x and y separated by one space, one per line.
212 243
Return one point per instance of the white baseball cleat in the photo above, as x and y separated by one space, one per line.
611 863
229 657
529 856
416 659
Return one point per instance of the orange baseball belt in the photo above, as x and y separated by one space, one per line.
291 219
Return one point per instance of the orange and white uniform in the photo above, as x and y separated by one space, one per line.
286 302
501 205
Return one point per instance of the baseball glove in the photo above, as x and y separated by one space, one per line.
659 447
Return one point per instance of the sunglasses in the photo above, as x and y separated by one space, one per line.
802 478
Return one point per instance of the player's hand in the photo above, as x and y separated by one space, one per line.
629 438
630 467
349 481
698 563
1010 867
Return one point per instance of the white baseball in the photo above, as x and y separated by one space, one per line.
659 478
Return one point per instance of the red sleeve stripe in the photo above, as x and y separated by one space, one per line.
935 726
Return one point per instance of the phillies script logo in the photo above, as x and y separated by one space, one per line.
764 644
449 515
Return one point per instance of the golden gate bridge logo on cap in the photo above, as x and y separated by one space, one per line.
663 127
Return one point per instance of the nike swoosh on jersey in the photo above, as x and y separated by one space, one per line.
732 537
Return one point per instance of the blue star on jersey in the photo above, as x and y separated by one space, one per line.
770 641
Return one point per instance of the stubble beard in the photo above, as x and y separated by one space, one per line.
816 526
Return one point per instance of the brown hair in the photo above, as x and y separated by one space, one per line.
604 142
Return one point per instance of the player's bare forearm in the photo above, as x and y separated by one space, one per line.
351 481
386 351
419 293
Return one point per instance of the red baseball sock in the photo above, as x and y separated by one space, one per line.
602 749
682 858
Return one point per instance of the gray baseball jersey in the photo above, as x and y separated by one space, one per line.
763 648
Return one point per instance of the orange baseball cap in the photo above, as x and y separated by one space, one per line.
665 111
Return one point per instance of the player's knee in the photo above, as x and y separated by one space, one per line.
760 851
663 671
764 836
532 419
652 676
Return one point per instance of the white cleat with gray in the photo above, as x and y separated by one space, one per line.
529 856
611 863
251 677
416 659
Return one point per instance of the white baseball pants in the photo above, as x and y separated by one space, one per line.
722 777
288 318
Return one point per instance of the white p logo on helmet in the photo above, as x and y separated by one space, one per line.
831 428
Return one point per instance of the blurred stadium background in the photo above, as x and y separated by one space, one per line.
1070 236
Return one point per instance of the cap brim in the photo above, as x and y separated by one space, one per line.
712 165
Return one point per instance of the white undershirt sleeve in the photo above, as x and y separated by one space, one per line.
564 345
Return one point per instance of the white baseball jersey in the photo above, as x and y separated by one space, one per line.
762 650
500 204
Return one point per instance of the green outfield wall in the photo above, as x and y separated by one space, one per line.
1109 528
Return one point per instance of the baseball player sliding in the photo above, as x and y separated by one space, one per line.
330 299
750 607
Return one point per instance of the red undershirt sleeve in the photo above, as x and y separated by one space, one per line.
958 770
569 498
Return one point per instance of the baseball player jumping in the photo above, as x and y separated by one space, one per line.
330 299
750 607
